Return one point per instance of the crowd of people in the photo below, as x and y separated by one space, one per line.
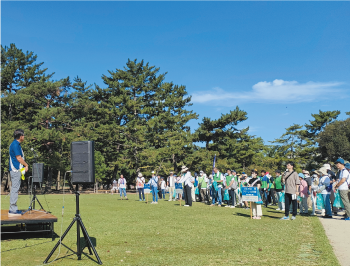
289 191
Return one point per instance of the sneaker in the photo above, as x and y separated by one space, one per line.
278 209
293 218
219 205
15 214
258 218
140 199
212 205
328 216
227 206
347 219
152 202
186 205
169 200
232 207
285 218
254 217
156 202
247 208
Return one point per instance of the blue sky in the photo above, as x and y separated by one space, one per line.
278 61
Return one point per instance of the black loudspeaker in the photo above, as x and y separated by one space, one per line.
83 162
38 172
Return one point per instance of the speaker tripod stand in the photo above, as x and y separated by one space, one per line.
32 203
80 224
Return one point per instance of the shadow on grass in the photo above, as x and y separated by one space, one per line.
14 232
26 246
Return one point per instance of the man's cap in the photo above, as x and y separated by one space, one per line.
340 160
140 175
243 173
171 172
267 173
153 172
201 171
233 171
306 172
301 175
347 165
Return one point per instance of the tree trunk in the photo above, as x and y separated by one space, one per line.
58 187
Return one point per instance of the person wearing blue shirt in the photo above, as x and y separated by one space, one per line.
154 186
16 163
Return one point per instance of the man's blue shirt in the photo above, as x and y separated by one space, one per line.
15 150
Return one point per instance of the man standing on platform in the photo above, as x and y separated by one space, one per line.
16 163
171 185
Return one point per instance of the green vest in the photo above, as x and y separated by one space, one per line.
278 182
263 183
228 179
217 177
201 180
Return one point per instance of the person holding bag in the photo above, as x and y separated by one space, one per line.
323 189
291 182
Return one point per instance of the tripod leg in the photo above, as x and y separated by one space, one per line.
86 242
89 240
42 208
78 240
61 239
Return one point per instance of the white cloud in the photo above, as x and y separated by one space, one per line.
275 91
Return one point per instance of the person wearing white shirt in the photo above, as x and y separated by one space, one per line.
162 186
114 187
322 188
188 180
122 187
140 181
343 186
171 185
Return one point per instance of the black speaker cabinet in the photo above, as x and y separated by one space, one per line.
83 162
38 172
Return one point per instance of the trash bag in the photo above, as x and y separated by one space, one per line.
226 195
281 196
196 191
319 202
338 203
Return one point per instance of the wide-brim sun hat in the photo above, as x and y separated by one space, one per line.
322 170
184 168
140 175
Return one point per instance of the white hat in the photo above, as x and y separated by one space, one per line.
153 172
327 166
140 175
184 168
323 170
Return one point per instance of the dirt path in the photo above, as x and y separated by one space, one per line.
338 233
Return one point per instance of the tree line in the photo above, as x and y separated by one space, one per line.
139 123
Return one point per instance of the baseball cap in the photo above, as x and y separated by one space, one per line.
347 165
340 160
301 175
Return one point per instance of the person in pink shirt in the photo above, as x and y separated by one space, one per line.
303 189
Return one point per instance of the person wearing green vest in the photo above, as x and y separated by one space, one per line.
202 185
264 190
231 185
279 189
218 178
272 191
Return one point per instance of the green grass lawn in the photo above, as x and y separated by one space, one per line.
135 233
